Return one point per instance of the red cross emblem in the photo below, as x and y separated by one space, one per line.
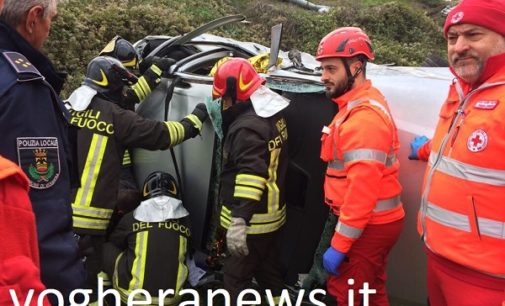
477 141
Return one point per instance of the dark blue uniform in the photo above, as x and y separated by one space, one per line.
33 125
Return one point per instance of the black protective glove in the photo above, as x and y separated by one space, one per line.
164 63
201 112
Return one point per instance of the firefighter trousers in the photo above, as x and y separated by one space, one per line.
262 263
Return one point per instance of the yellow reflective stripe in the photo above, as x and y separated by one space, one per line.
87 223
176 131
265 228
143 84
91 170
260 223
195 120
247 193
126 158
251 180
94 212
139 264
256 218
182 271
115 280
139 91
105 278
273 189
156 70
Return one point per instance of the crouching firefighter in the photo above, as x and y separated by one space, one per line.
106 131
147 249
252 177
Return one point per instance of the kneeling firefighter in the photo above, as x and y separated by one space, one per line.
106 131
147 249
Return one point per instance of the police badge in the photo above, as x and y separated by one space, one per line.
40 159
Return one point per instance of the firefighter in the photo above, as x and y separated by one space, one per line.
361 184
34 130
124 51
106 131
151 69
155 235
462 216
252 177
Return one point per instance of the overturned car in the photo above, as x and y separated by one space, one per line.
414 96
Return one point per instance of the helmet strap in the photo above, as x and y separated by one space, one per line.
351 77
231 89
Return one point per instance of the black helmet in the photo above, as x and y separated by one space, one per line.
107 76
160 183
123 50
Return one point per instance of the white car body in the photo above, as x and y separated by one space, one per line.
414 96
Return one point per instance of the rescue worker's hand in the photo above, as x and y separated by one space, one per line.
236 237
332 260
163 63
416 143
201 112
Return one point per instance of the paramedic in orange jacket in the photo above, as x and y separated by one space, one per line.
462 214
361 184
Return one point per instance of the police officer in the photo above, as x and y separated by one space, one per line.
106 131
147 249
33 122
252 176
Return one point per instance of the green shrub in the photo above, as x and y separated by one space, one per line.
401 34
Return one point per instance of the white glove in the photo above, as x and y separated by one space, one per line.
236 237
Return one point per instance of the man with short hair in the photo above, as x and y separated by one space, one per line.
462 214
34 124
361 185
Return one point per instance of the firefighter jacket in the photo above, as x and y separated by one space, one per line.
33 125
255 161
361 146
139 91
154 257
19 254
107 130
462 214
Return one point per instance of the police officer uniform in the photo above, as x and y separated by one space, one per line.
33 122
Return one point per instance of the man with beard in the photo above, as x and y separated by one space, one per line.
361 184
462 216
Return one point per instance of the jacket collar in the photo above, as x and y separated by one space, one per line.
353 94
11 40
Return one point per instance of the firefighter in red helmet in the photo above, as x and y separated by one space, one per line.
252 176
361 185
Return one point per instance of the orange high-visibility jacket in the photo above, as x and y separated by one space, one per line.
361 183
462 214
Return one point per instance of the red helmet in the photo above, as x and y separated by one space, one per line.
236 78
345 42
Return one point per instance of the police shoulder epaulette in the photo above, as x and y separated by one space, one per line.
20 64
